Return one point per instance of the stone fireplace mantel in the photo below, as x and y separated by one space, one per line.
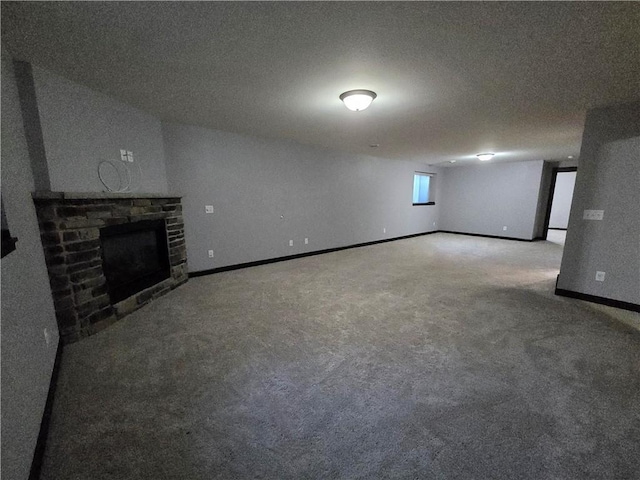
70 227
40 195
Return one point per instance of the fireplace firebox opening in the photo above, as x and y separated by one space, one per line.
135 256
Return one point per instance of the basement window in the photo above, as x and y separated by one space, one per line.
423 188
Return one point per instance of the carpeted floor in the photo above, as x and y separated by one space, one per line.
443 356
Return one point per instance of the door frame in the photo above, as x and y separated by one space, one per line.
552 189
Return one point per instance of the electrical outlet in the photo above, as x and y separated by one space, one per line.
384 230
210 253
126 155
306 241
504 229
291 243
599 276
208 209
593 215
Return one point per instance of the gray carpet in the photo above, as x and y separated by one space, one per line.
438 357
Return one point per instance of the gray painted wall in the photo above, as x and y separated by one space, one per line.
573 162
608 179
81 128
27 307
32 129
562 196
484 198
333 199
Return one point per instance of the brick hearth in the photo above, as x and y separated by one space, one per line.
70 230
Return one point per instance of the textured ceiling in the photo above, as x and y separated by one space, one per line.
453 79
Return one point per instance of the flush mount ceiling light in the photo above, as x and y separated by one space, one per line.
483 157
357 100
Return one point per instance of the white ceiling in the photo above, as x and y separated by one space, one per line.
453 79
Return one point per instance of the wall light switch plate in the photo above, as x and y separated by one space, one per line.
593 215
384 230
306 241
599 276
208 209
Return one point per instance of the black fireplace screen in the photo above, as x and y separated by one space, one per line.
135 256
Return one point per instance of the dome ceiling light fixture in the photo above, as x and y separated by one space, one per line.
357 100
483 157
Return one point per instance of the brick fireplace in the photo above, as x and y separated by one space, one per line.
86 235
